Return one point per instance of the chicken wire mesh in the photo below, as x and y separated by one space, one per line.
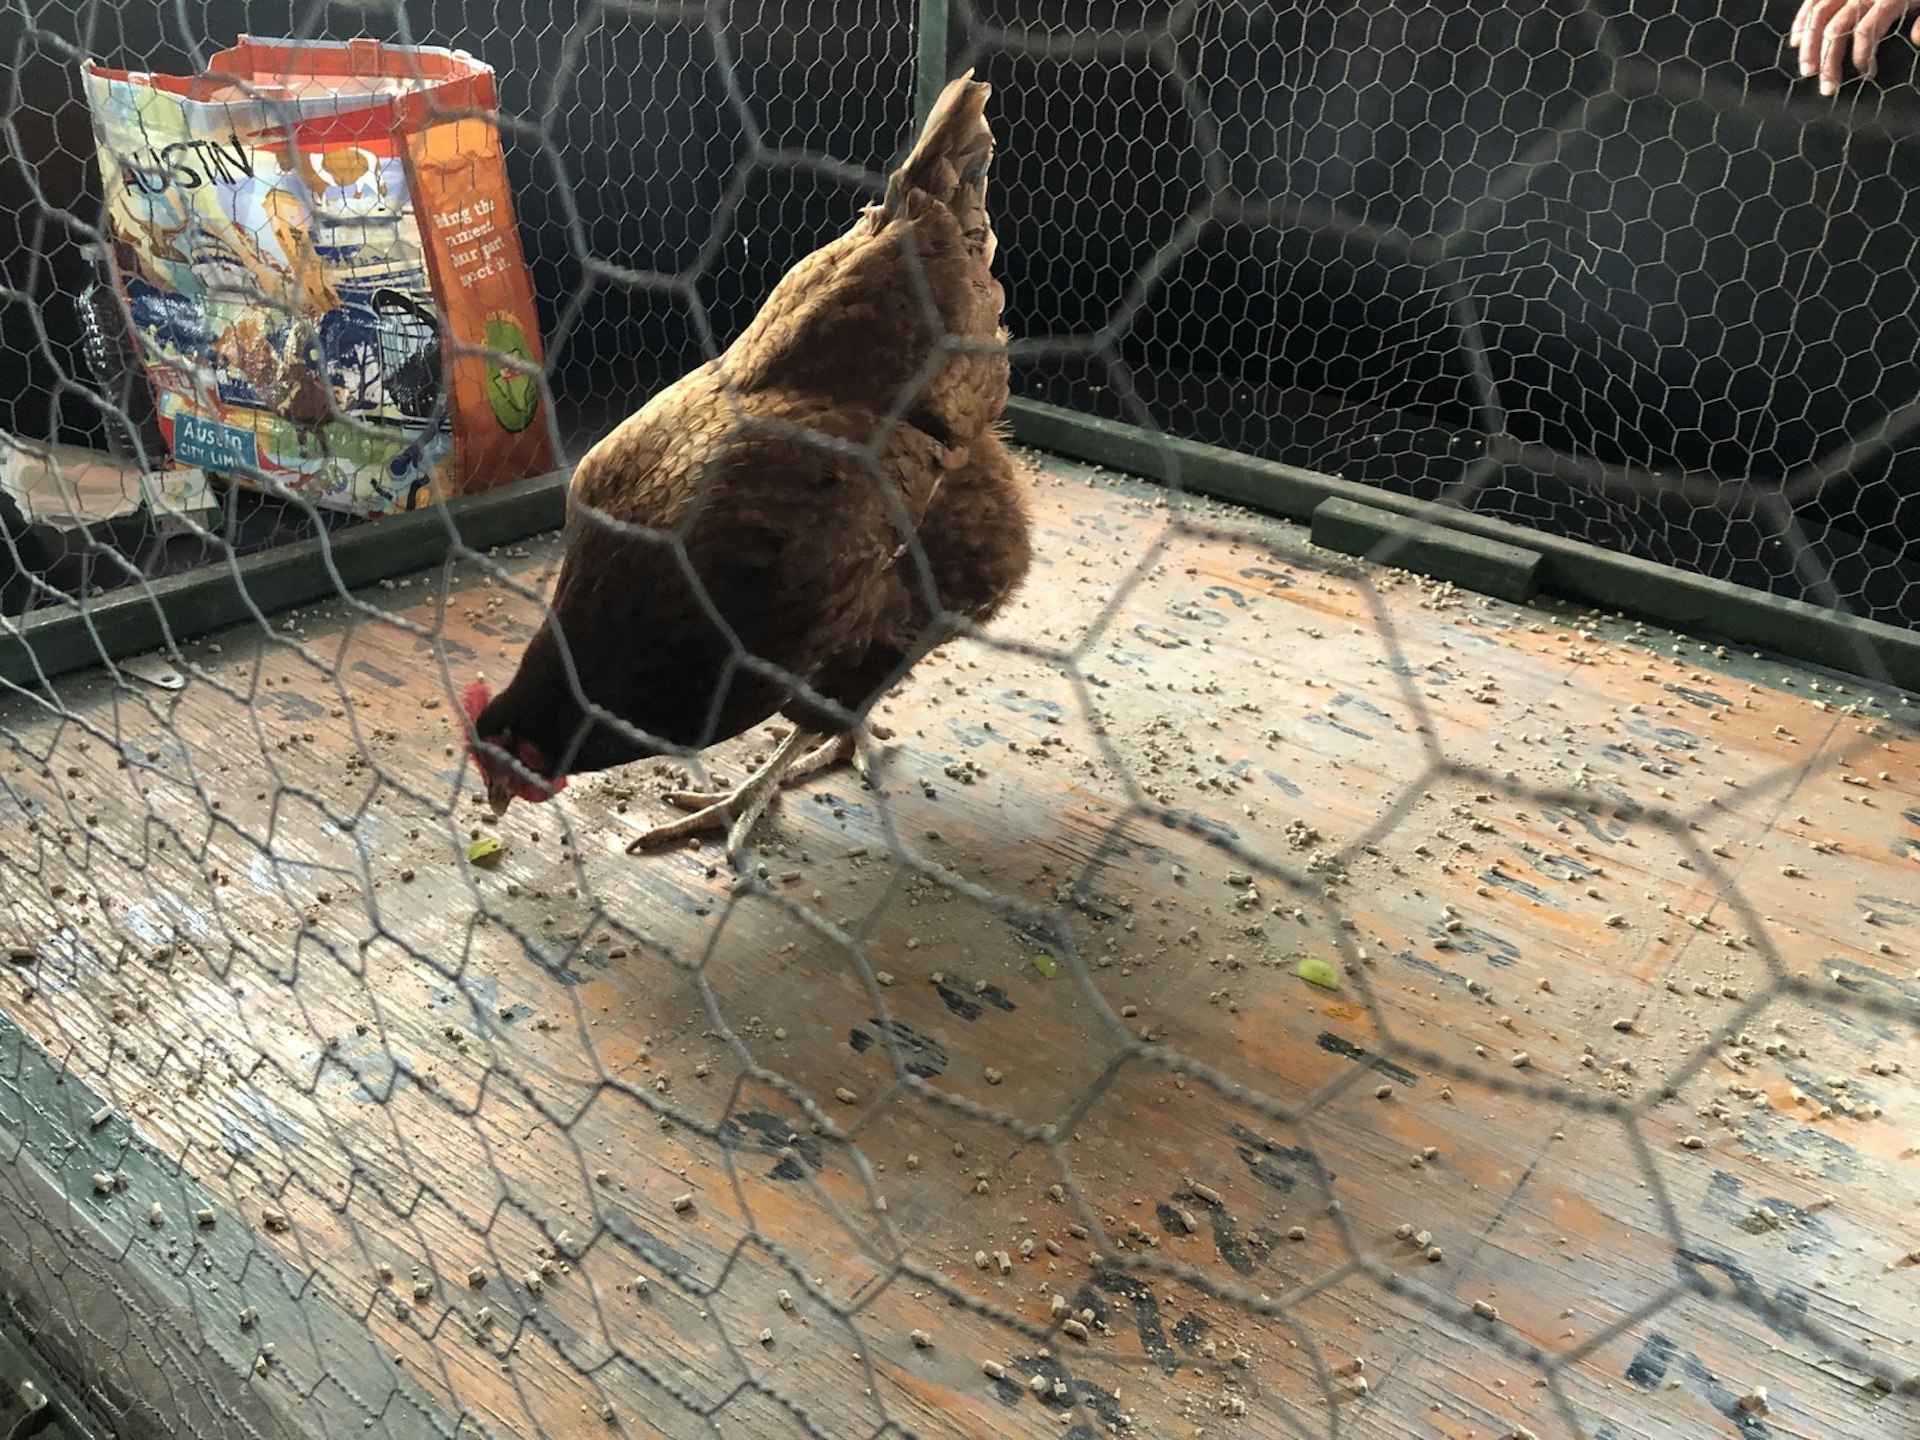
1592 269
313 1102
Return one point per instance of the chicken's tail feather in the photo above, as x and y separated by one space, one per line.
950 160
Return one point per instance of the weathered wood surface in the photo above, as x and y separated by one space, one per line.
1561 868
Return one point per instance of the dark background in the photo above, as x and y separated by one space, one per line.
1676 255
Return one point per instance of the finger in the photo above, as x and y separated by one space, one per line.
1915 35
1837 40
1867 33
1803 26
1819 13
1808 22
1808 25
1874 26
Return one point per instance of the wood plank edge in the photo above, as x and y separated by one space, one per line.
1696 605
82 1271
930 57
57 1406
142 618
1385 537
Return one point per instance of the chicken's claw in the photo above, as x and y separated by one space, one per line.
840 750
713 817
844 750
696 799
737 810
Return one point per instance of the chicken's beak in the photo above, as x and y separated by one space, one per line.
499 792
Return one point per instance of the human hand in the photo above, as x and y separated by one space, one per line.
1826 31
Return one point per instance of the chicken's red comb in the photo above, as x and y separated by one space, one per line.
475 698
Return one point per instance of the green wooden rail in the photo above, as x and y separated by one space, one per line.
1571 569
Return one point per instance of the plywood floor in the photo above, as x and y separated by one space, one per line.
1611 1125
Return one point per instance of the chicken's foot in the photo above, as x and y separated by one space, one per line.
845 749
838 750
738 810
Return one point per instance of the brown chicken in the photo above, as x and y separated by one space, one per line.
787 529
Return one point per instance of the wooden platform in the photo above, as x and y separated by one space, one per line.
1611 1125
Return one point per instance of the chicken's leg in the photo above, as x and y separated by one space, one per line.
837 750
739 809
